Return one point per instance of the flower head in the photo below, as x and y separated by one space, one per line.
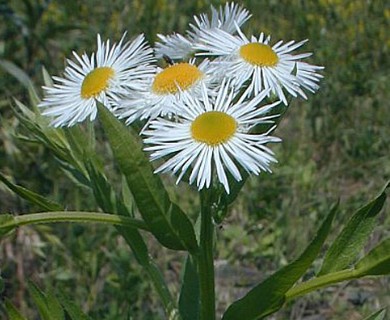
226 18
213 135
158 95
177 46
257 64
104 77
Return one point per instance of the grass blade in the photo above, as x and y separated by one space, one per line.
12 312
40 301
56 310
72 309
379 315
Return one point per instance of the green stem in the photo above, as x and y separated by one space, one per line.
206 260
320 282
75 216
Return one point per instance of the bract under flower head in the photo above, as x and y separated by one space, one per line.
105 76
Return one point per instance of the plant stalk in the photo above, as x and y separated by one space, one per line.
76 216
206 259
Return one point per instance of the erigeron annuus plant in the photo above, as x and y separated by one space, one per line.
208 117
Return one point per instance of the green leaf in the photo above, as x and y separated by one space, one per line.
22 77
12 312
31 196
353 237
16 72
379 315
269 296
108 202
167 222
137 244
72 309
127 198
56 311
105 198
102 190
189 293
7 224
236 186
47 80
63 147
81 140
376 262
223 199
24 109
40 301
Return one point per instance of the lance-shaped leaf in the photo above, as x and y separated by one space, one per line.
379 315
6 224
189 293
12 312
269 296
56 310
71 308
35 198
224 199
103 192
16 72
167 222
353 237
376 262
81 141
48 305
106 199
63 143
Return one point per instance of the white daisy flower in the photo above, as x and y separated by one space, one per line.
213 136
103 77
178 47
158 95
262 66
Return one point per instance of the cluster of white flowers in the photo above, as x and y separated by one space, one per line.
200 110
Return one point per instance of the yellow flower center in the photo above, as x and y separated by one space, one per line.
259 54
213 127
96 81
182 75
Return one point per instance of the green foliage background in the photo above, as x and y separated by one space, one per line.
335 145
